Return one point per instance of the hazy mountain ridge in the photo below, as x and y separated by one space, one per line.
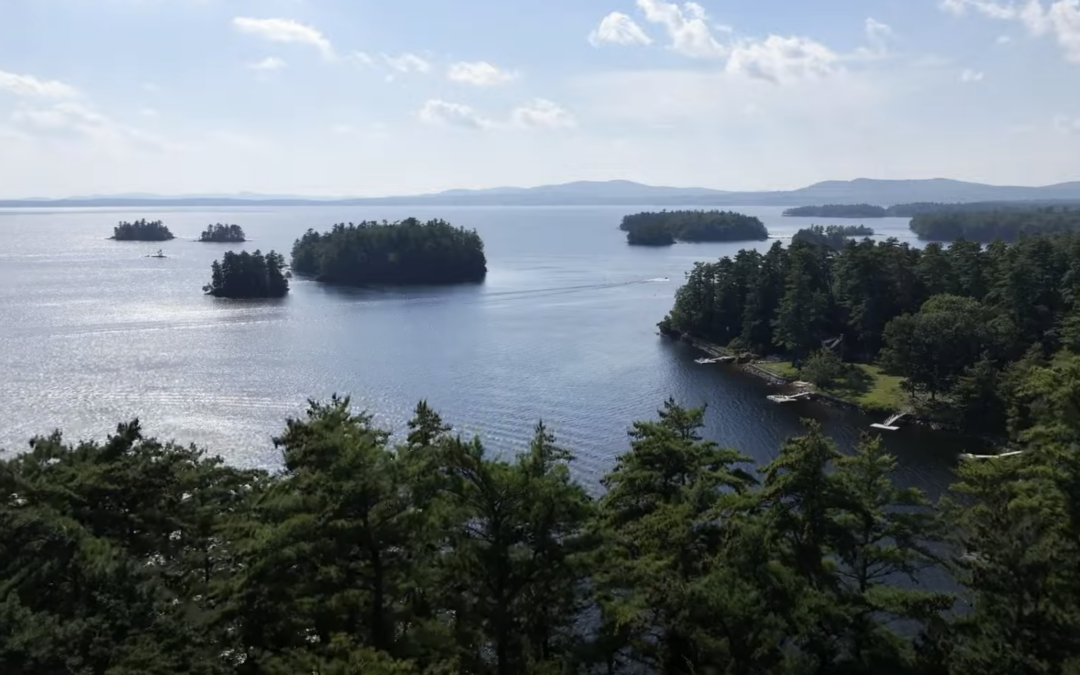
614 193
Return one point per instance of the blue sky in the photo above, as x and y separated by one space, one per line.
373 97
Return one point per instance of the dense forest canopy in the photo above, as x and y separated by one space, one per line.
248 275
142 230
837 211
699 225
438 554
959 324
986 226
650 234
218 232
405 252
832 236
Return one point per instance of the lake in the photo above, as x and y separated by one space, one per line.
92 332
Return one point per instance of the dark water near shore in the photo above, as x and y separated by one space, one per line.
92 332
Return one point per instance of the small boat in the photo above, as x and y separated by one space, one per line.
159 255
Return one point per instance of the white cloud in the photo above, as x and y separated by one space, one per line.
479 73
782 59
28 85
618 29
878 34
445 113
285 31
1003 39
544 114
1060 18
362 59
268 64
968 75
407 63
71 121
686 26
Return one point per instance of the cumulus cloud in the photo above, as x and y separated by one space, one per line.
618 29
73 121
479 73
268 64
542 114
782 59
407 63
878 34
687 27
285 31
969 76
28 85
1060 18
445 113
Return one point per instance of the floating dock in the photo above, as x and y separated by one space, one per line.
890 424
781 398
968 455
718 359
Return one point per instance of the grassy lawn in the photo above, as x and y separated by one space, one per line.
874 391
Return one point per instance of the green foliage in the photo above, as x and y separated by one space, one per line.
989 225
831 236
824 368
406 252
698 225
650 234
218 232
248 275
142 230
838 211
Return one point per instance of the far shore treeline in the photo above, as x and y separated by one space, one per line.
960 325
441 554
663 228
918 208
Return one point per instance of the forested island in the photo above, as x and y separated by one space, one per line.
948 331
405 252
142 230
248 275
837 211
832 236
696 226
439 554
986 226
650 234
219 233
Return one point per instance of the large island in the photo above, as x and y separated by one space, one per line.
142 230
401 253
223 234
248 275
693 226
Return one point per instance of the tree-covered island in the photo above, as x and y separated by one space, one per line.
837 211
142 230
401 253
248 275
219 233
948 332
693 226
440 554
833 236
650 234
986 226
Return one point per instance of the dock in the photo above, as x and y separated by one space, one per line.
890 424
968 455
781 398
718 359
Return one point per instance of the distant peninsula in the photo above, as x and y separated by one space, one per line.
223 234
831 236
838 211
692 226
142 230
1007 225
408 252
248 275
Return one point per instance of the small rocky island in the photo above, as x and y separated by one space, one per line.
142 230
649 228
249 275
832 236
408 252
223 234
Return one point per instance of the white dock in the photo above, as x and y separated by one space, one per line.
890 424
781 398
718 359
968 455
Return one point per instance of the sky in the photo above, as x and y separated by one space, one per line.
380 97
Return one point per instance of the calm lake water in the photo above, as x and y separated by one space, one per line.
92 332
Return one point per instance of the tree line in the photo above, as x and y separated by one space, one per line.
832 236
405 252
432 554
960 323
142 230
838 211
220 233
692 226
248 275
1004 224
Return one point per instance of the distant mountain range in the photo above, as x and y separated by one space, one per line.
614 193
